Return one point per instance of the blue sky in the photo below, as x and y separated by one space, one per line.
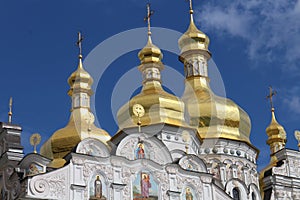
255 44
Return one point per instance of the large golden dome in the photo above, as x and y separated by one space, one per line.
81 123
212 115
160 106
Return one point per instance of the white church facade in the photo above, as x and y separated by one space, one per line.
157 154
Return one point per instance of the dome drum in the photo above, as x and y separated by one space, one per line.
185 56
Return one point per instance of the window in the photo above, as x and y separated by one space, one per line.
253 196
236 194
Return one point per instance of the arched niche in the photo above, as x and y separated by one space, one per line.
236 184
189 193
98 186
254 192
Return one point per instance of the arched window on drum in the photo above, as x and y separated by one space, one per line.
253 196
236 194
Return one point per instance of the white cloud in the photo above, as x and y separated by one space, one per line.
230 20
270 27
291 99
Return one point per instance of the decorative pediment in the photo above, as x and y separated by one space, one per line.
93 147
34 164
138 146
192 163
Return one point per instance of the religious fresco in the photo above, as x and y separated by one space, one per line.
144 187
97 189
34 169
188 194
141 151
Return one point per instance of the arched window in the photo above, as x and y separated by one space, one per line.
236 194
253 196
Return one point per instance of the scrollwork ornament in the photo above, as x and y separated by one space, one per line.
49 186
126 192
171 170
182 182
128 149
126 174
163 179
40 186
78 161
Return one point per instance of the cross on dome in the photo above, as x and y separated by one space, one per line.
79 42
272 93
148 18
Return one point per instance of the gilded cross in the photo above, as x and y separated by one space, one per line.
270 96
79 43
35 140
148 18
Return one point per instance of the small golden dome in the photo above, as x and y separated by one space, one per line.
193 38
214 116
276 138
276 134
80 79
150 53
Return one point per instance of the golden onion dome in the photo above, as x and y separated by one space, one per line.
214 116
193 38
159 105
276 134
80 79
150 53
276 139
274 126
81 124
